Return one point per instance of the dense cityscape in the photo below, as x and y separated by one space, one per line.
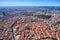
29 23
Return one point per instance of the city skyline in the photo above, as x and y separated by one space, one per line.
29 2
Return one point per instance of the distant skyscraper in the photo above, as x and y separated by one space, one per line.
3 13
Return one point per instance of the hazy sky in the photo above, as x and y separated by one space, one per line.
29 2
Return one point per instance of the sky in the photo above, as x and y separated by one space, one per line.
29 2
